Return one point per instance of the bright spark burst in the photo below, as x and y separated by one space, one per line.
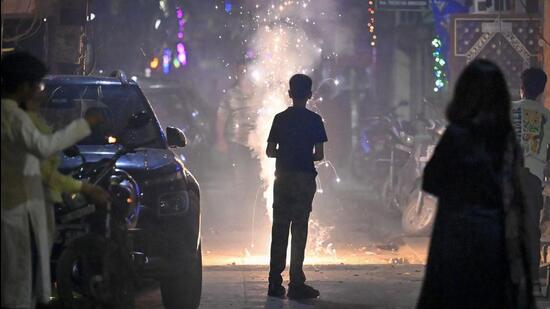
282 48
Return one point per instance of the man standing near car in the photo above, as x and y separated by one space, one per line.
296 140
25 264
531 121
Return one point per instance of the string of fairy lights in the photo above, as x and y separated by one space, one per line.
440 77
372 23
171 57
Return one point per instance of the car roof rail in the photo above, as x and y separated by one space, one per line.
120 75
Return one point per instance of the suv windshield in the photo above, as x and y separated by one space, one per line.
64 103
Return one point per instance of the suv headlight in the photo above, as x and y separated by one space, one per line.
174 203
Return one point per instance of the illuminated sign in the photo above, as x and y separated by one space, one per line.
403 5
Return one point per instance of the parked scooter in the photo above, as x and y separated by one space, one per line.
384 145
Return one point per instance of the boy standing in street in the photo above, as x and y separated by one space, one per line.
531 122
296 141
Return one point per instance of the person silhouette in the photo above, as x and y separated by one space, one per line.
479 252
296 141
531 121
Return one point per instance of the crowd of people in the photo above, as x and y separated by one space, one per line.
487 173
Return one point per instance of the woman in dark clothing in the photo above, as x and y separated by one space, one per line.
478 253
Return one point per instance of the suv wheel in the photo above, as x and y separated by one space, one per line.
184 290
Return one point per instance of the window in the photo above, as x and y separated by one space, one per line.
64 103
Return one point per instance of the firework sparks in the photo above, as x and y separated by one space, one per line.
281 48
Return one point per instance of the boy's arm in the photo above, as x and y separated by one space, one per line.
271 150
273 139
319 153
44 145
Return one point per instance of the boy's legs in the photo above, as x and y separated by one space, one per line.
279 244
279 230
299 239
293 196
303 197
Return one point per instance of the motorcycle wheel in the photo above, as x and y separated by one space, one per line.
418 219
80 284
183 291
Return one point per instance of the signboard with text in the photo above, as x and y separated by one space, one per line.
403 5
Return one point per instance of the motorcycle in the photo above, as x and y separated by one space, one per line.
93 256
403 190
384 146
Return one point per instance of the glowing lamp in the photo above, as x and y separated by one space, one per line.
180 48
182 58
154 63
176 63
111 140
167 56
182 54
228 7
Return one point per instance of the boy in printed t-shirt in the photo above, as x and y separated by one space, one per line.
531 121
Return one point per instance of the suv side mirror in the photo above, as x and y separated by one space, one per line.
175 137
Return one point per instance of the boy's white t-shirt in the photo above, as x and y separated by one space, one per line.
531 121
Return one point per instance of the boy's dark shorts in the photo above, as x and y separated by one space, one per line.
293 194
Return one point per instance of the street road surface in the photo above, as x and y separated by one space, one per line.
341 286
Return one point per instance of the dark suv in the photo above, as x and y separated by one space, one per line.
166 231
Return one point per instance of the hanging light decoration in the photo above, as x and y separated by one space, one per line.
166 58
372 23
440 78
228 6
164 7
154 63
181 52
